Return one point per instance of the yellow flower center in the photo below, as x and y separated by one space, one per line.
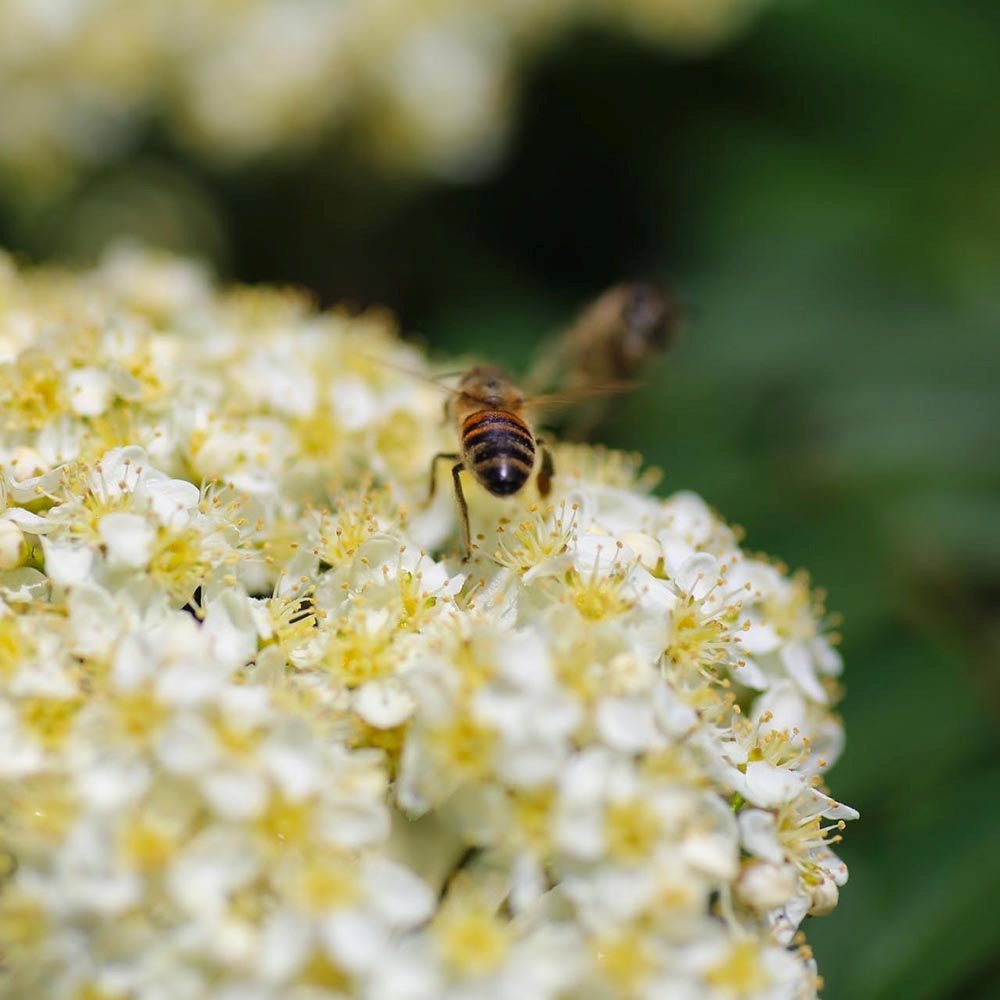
741 972
464 747
326 882
286 822
50 719
472 941
632 829
625 960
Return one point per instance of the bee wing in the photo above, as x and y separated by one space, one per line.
572 396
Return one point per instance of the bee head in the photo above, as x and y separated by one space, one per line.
490 385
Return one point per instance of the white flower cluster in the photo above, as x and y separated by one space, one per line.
429 84
265 735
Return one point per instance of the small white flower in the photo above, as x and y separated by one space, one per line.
355 940
626 724
12 544
384 703
234 794
67 563
215 864
396 895
230 627
767 885
128 538
769 786
90 391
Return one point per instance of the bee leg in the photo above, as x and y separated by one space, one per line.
456 475
451 456
545 471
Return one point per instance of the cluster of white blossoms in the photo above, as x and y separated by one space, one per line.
429 84
265 735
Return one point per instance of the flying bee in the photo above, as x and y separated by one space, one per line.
498 445
614 337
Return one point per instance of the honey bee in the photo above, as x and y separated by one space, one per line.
498 446
613 338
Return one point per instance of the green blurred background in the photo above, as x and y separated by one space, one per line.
825 194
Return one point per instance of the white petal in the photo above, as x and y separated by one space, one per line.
13 548
384 703
354 403
90 391
128 538
355 940
502 710
759 835
172 500
580 833
531 764
759 638
19 755
626 724
111 785
118 471
597 553
697 575
297 771
585 777
34 524
832 809
67 563
646 547
524 660
234 794
823 897
765 885
28 475
527 882
785 706
407 971
133 662
24 585
799 664
712 854
95 620
674 717
187 745
827 658
212 866
396 894
750 675
769 786
834 867
283 946
231 630
356 823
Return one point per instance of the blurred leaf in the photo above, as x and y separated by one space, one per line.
917 913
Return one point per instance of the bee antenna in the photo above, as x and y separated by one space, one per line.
412 373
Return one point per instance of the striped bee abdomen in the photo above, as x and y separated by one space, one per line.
499 450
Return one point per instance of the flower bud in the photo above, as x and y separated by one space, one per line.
823 897
763 885
13 547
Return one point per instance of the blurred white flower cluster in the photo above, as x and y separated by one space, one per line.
430 84
264 735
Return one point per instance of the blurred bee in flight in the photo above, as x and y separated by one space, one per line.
613 339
